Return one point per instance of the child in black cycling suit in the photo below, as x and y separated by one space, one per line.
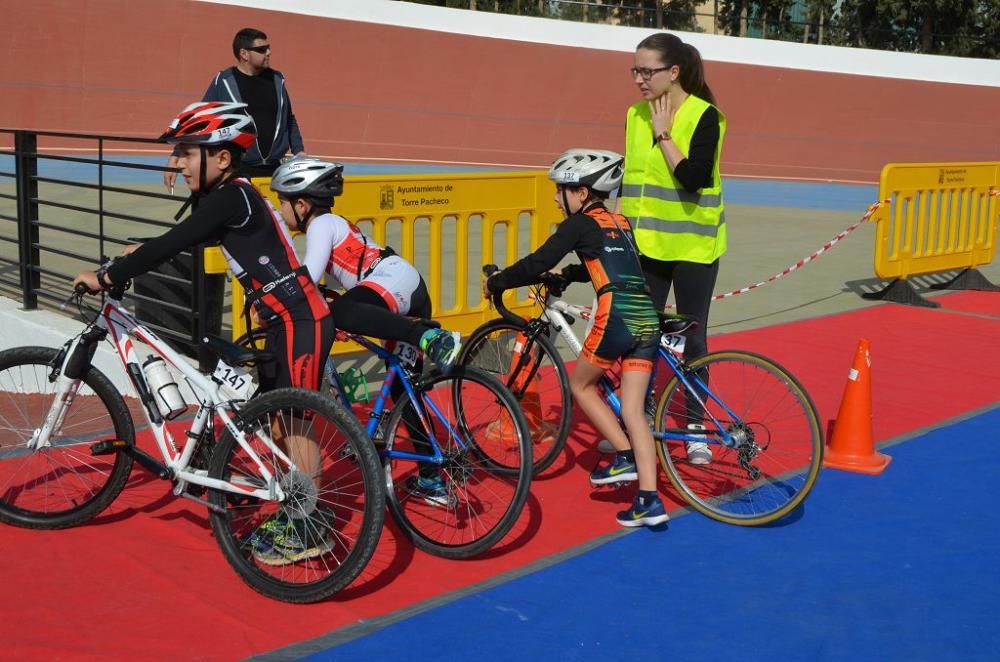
626 325
210 139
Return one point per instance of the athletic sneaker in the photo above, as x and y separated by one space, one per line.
698 452
644 514
441 347
618 471
283 540
432 490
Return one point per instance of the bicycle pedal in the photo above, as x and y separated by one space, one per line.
107 446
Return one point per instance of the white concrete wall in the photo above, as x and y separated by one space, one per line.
719 48
48 329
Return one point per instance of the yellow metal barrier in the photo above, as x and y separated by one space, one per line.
448 226
940 217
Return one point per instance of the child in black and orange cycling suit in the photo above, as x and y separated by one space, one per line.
626 325
210 139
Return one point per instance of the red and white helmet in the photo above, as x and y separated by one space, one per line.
212 123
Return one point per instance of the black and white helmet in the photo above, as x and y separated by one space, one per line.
597 169
308 177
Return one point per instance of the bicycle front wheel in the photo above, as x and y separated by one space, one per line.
774 428
321 536
469 502
61 484
541 385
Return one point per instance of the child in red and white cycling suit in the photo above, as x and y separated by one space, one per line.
382 288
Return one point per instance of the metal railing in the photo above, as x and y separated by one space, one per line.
77 197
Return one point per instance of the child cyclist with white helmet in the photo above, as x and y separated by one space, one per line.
626 325
382 288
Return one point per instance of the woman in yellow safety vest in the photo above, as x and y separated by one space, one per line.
672 191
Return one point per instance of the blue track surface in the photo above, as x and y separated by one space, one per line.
903 566
802 195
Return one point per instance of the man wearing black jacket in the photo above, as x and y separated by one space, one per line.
253 82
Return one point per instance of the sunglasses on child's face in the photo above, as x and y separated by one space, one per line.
263 48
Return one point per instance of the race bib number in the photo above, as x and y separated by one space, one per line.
407 354
236 383
674 343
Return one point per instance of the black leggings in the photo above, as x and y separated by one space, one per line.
363 311
693 286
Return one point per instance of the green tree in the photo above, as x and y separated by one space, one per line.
656 14
770 19
820 25
950 27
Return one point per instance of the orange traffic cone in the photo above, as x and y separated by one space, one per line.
531 405
851 446
542 432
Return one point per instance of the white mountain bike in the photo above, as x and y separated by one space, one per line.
289 463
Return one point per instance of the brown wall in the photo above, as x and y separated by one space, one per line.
364 91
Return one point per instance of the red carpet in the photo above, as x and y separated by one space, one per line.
146 581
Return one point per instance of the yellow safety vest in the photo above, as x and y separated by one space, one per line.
669 222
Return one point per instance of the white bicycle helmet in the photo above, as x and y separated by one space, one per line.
597 169
308 178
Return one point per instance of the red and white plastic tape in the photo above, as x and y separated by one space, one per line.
827 246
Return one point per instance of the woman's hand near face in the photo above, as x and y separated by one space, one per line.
661 110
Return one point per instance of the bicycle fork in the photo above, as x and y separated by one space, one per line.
68 369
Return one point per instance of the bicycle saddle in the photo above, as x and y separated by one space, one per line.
674 324
233 354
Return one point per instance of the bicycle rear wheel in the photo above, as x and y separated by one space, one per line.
778 440
316 541
541 386
62 484
485 478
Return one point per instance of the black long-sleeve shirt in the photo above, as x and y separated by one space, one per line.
256 244
695 172
577 233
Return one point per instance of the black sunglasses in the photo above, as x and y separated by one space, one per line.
263 48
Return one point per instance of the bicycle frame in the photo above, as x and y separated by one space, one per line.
394 369
122 326
555 312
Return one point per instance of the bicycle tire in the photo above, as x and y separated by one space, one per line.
349 473
85 484
490 348
482 502
786 447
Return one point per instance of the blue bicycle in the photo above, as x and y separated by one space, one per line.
757 423
442 430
